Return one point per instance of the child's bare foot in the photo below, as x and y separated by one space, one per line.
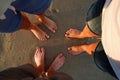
73 33
39 58
75 50
57 63
51 25
41 35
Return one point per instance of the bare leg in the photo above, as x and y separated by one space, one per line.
57 63
27 25
51 25
75 50
74 33
39 60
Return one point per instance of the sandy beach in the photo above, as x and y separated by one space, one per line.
18 48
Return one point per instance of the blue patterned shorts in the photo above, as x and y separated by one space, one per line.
13 19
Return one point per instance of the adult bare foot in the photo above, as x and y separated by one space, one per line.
39 58
75 50
73 33
50 24
88 48
41 35
86 33
57 63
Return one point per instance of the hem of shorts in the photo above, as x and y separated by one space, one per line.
92 31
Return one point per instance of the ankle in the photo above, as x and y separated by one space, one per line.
88 33
86 49
91 48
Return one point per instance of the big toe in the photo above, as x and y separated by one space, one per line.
42 50
67 34
70 50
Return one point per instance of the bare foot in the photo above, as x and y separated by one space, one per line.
88 48
41 35
75 50
51 25
86 33
39 58
57 63
73 33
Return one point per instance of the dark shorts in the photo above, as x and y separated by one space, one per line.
93 19
31 6
101 60
13 19
11 23
28 72
18 73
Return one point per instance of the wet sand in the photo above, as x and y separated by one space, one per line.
18 48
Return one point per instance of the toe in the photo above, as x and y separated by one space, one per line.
67 35
46 36
42 50
69 49
68 31
54 29
60 55
37 50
